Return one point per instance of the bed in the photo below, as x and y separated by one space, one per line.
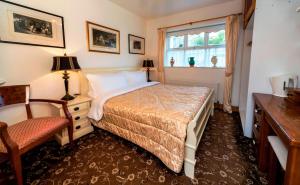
166 120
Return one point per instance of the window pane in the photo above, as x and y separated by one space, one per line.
176 42
178 57
219 52
196 40
199 57
216 38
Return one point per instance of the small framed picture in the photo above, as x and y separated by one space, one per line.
136 44
28 26
102 38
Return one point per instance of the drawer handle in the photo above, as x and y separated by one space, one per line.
256 126
257 110
77 127
253 141
77 118
76 109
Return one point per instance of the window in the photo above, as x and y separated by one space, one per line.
200 43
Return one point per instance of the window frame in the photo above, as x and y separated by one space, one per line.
187 48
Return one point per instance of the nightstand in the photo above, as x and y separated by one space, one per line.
79 108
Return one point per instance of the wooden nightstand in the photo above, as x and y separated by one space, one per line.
79 108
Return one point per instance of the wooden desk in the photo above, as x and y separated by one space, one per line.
277 116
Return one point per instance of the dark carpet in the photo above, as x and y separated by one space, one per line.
224 156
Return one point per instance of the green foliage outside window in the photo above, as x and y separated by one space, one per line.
217 38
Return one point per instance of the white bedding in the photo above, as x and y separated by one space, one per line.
96 111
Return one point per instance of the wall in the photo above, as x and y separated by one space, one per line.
201 75
21 64
275 49
245 70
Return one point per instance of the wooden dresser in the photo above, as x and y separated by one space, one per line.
277 116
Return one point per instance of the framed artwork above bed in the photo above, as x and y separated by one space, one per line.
136 44
28 26
102 39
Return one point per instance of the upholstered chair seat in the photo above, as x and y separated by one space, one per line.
29 131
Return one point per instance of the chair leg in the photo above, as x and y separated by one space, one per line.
17 166
70 132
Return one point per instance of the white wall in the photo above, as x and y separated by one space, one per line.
201 75
275 49
21 64
245 70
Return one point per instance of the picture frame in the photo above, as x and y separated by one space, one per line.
102 39
29 26
136 44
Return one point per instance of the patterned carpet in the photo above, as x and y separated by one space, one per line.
224 156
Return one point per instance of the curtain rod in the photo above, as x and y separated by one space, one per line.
193 22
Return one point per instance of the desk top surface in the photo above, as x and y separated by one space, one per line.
286 116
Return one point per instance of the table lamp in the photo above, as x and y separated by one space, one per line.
148 64
65 63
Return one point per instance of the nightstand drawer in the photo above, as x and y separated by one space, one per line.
79 107
79 116
77 126
81 124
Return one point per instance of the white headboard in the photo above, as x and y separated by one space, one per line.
84 84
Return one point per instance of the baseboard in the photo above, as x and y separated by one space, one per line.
219 106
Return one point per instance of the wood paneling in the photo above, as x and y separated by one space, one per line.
248 11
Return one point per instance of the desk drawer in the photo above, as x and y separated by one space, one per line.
256 143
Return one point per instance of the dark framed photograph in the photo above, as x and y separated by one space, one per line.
103 39
136 44
24 25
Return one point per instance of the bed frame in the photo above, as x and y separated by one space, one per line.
195 128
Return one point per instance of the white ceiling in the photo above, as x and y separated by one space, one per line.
157 8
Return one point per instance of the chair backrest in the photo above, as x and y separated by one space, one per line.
10 95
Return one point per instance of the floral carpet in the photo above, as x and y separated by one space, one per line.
224 156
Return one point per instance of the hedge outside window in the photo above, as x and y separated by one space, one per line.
201 43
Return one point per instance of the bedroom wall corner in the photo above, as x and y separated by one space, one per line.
20 64
275 48
197 75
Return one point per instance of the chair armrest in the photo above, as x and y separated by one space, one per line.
62 102
49 101
6 139
3 126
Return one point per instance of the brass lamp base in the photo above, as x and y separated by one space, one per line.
66 77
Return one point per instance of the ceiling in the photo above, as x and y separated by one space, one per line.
157 8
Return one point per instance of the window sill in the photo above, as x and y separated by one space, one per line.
177 67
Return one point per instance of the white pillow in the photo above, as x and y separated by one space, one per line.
104 83
135 77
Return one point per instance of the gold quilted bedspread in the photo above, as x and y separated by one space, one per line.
155 118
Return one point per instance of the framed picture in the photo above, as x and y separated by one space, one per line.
24 25
136 44
102 38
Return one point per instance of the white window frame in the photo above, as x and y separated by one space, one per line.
187 48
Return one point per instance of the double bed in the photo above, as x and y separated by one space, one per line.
166 120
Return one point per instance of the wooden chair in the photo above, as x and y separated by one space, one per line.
19 138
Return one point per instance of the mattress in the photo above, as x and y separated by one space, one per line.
156 118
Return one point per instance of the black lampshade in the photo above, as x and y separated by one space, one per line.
148 63
65 63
